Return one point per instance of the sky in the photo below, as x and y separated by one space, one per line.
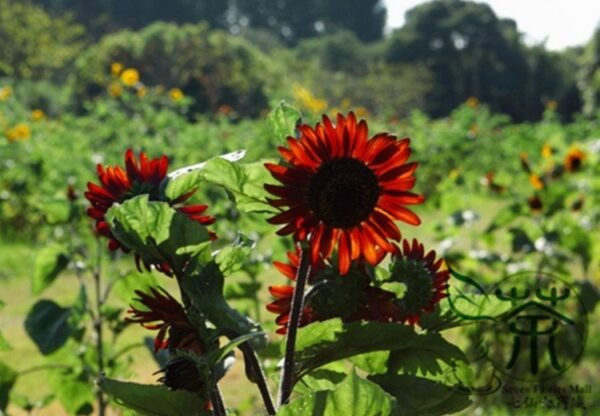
562 23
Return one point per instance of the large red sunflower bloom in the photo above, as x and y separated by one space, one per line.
339 186
164 313
421 273
351 297
118 185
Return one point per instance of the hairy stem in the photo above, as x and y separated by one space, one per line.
256 375
287 377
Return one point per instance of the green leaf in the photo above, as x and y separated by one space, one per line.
49 263
324 342
352 397
373 362
139 221
8 377
432 357
325 378
187 179
186 237
73 391
244 181
232 258
155 230
204 285
152 400
47 324
282 121
417 396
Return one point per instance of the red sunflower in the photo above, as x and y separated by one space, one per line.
118 185
164 313
421 273
574 159
351 297
339 186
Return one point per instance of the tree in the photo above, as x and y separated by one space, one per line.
101 16
589 75
470 52
33 44
294 20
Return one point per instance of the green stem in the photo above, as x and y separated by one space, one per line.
98 324
217 402
43 367
256 375
287 377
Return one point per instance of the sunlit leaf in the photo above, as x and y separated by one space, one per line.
244 181
232 258
352 397
187 179
417 396
152 400
282 121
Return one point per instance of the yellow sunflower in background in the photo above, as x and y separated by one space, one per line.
176 95
130 77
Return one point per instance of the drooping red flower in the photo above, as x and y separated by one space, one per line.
181 373
426 283
339 186
164 313
351 297
138 178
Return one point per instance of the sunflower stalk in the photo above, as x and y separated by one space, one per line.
257 375
98 324
287 376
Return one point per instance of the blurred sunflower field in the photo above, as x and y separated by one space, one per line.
499 197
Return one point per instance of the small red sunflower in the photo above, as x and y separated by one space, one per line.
118 185
168 316
421 273
574 159
351 297
339 186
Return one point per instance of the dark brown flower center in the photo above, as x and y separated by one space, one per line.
418 280
343 192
